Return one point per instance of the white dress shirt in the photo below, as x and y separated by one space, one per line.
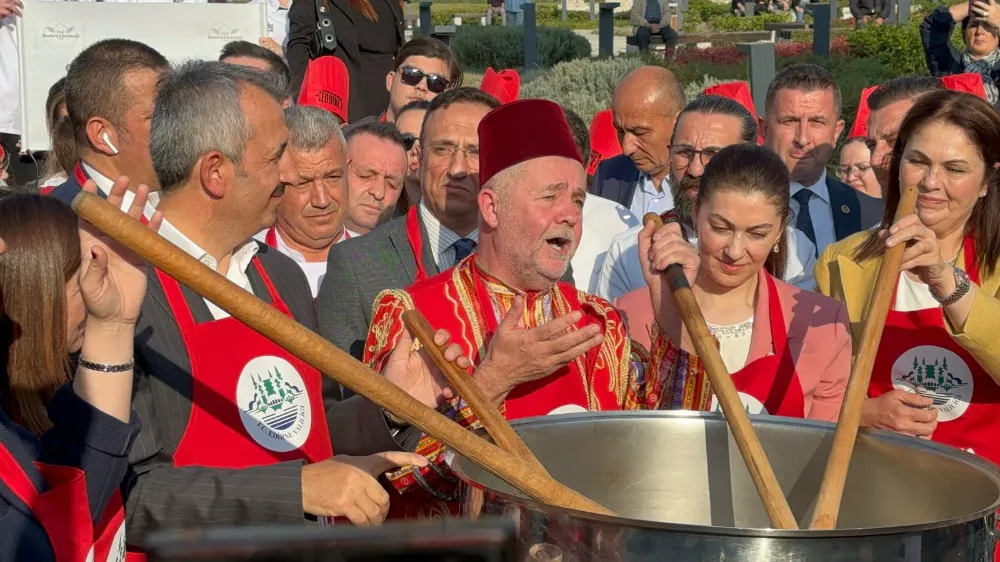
277 23
647 199
239 263
622 271
913 295
10 92
603 219
442 239
104 185
819 210
315 270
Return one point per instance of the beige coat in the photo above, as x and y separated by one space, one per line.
638 14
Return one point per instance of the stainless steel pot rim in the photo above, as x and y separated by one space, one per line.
888 436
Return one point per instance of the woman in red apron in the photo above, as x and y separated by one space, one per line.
937 368
788 350
50 508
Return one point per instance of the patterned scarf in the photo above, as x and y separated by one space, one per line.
984 66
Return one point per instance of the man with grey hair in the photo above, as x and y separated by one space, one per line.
310 217
235 430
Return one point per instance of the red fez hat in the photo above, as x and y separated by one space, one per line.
603 140
739 92
326 85
502 142
504 85
969 82
860 126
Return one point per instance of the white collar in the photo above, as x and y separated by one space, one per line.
439 236
104 184
647 180
819 188
241 258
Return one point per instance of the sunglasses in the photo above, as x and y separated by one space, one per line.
408 141
412 76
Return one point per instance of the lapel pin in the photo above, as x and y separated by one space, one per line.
845 209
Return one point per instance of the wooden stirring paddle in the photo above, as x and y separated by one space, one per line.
496 425
831 490
324 356
750 448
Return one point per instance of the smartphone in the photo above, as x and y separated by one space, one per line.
451 540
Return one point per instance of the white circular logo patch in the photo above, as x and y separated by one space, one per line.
274 404
60 36
750 404
117 552
936 373
567 409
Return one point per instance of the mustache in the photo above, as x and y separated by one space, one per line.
564 232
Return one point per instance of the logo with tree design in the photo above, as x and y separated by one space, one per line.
274 404
936 373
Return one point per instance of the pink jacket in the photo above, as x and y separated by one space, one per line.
818 337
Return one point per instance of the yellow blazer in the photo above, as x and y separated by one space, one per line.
839 276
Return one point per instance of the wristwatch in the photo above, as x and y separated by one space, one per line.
962 286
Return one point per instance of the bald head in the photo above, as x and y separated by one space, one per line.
645 107
653 87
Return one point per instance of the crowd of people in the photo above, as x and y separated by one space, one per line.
512 225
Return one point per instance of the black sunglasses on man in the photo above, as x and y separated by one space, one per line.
412 76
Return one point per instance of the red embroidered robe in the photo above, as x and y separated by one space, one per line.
468 303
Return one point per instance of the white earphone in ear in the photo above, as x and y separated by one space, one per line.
107 141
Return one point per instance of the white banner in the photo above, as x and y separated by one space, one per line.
51 34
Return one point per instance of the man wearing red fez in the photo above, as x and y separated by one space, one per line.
327 85
887 106
541 346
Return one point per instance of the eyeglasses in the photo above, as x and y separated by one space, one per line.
411 76
858 169
447 152
408 141
682 155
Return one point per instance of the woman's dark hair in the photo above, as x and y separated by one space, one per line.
750 170
43 253
981 125
55 104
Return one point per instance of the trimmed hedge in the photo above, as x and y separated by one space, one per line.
479 47
898 48
585 85
740 23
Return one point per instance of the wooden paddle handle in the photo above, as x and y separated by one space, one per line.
496 425
324 356
761 473
831 489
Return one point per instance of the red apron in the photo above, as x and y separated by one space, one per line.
770 384
64 512
416 241
252 402
917 354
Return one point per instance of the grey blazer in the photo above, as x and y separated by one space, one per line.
357 270
161 496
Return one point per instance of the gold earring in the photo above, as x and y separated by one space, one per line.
775 248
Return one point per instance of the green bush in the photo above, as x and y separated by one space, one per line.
584 86
503 47
897 48
740 23
701 11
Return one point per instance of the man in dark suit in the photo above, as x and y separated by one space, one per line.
235 430
802 124
645 107
110 91
432 236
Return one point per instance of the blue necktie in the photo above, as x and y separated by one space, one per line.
803 221
463 247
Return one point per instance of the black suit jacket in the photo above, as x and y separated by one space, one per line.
852 210
160 496
366 67
82 437
616 179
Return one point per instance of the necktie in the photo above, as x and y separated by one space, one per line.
803 221
463 247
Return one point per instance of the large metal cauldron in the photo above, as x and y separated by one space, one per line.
684 494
